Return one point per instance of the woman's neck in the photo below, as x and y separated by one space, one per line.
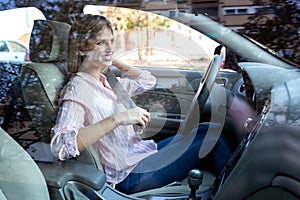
93 72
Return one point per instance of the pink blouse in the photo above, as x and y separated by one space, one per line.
85 101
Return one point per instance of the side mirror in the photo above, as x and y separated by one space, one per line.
229 59
221 50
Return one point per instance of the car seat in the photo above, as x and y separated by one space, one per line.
20 177
44 77
41 82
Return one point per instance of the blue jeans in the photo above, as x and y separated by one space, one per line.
176 156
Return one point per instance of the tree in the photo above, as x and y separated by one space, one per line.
138 21
276 24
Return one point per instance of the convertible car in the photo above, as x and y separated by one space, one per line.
207 74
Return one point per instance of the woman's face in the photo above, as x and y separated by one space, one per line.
102 52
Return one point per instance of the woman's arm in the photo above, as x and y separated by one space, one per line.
130 71
89 135
136 80
69 137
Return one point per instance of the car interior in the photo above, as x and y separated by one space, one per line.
47 74
17 168
259 169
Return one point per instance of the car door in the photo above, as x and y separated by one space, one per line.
18 51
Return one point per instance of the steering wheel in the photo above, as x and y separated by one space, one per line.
205 86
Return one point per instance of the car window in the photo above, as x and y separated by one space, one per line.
148 39
16 47
3 47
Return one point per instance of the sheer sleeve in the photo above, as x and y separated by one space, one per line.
63 135
142 83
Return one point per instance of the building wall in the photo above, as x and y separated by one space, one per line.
235 2
181 5
210 7
231 13
235 13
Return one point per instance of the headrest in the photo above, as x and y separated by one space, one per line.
49 41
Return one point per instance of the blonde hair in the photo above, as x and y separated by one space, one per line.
84 30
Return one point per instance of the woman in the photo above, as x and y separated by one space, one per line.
91 114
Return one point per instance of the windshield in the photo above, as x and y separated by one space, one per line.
72 80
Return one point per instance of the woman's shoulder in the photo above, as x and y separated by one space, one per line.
79 80
76 86
74 83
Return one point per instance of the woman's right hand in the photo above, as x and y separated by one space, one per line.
135 115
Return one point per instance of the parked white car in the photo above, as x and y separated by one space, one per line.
13 51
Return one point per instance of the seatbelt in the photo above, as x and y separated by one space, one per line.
122 95
118 89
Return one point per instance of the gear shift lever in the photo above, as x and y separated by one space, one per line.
195 180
